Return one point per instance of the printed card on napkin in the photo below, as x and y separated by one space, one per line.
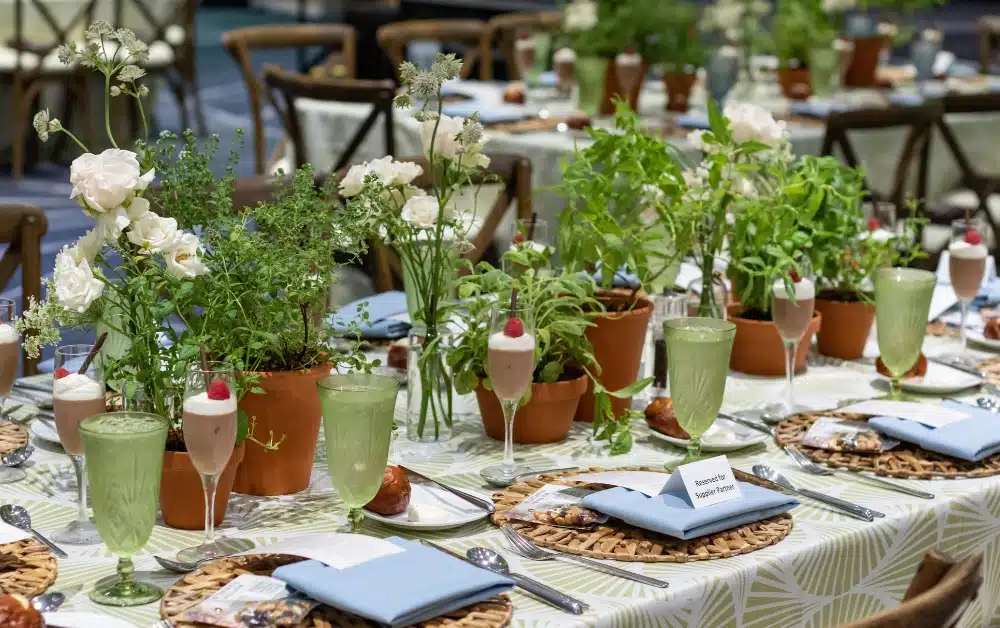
340 551
646 482
930 414
705 482
10 534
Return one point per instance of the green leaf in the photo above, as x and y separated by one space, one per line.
631 390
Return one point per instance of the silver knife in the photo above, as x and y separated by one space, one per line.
858 512
958 366
485 504
754 425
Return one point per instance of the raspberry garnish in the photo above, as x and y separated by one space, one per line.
973 237
794 275
518 238
514 328
873 224
218 391
61 373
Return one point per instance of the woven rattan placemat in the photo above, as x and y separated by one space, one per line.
617 540
528 125
904 461
991 369
937 328
12 437
27 568
198 585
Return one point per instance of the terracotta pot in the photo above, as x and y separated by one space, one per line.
545 419
758 349
288 409
182 499
846 325
864 63
796 83
612 89
617 338
678 88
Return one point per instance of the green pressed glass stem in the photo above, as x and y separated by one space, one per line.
354 518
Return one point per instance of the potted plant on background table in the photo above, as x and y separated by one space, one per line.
739 23
802 35
677 51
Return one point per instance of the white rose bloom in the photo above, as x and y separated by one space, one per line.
111 223
76 286
878 235
138 208
697 185
421 211
184 260
580 15
388 171
154 234
446 142
837 6
87 247
106 182
749 122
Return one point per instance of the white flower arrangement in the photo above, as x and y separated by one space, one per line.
838 6
579 16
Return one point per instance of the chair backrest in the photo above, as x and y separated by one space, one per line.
473 35
504 30
40 26
989 32
243 41
287 87
21 229
959 104
938 595
919 120
168 21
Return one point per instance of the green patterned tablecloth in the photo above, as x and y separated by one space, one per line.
829 569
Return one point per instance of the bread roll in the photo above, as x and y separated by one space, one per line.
394 495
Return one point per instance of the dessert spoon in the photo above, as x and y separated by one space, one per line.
18 456
19 518
504 482
488 559
858 512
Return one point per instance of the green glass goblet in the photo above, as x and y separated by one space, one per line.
124 457
357 423
698 351
902 302
590 75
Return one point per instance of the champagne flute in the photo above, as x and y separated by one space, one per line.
209 426
524 56
966 264
358 414
124 452
510 364
10 353
902 302
792 312
698 350
76 396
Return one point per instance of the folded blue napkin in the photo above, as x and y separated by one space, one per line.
621 279
547 79
818 108
488 114
961 69
972 439
390 589
693 121
671 513
906 99
380 324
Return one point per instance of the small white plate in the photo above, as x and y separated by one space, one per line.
73 619
441 509
43 431
724 435
976 336
940 379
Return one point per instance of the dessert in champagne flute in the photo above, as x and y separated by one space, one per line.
792 312
524 54
628 67
10 352
966 264
510 364
564 64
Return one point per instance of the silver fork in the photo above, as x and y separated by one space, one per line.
164 623
811 467
527 549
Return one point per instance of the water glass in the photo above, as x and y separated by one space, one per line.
721 75
124 452
590 75
358 414
823 69
654 351
902 302
698 350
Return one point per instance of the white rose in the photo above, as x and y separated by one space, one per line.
748 122
111 223
388 171
154 234
76 286
107 181
421 211
836 6
87 247
446 142
580 15
138 208
184 260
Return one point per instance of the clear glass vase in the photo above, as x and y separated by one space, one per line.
415 291
429 385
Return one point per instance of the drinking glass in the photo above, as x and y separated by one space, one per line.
654 351
590 74
698 350
823 64
721 74
357 422
902 302
510 365
10 353
967 255
792 320
525 57
534 230
76 396
209 426
124 452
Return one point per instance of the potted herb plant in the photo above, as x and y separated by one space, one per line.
564 306
677 50
799 28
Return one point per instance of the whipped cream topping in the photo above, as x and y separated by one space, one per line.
804 289
77 387
564 55
526 43
625 58
201 404
963 250
503 342
7 333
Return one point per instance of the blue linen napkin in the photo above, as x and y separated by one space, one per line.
547 79
818 108
693 121
971 439
672 514
389 588
488 114
381 308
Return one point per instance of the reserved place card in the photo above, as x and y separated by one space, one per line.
340 551
929 414
706 482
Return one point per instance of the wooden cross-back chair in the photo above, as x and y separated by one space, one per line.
31 34
472 35
338 41
504 30
21 229
287 87
937 597
989 34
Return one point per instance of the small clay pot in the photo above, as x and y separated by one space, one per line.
796 83
545 419
613 90
846 325
678 88
758 349
182 499
862 71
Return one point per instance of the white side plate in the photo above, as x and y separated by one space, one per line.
44 432
437 508
724 435
976 337
939 379
73 619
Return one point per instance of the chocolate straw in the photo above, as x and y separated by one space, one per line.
531 226
92 354
204 365
513 303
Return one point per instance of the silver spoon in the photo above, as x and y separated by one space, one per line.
178 566
503 482
488 559
858 512
48 602
18 456
988 403
19 518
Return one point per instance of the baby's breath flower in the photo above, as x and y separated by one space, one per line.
403 101
130 73
446 67
472 132
67 53
115 91
98 29
407 71
41 124
143 90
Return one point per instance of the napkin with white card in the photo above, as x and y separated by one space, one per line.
949 428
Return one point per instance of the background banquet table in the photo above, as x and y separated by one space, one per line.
829 569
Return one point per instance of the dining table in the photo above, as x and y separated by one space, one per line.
829 569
